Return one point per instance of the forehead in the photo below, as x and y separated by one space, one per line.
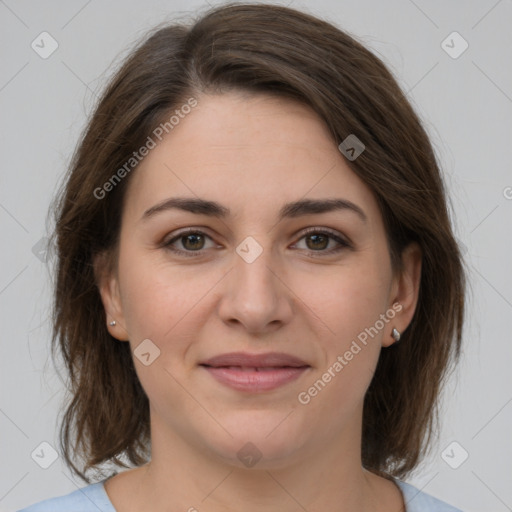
251 152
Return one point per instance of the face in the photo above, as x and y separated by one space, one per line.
254 277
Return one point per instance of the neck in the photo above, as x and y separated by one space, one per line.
327 477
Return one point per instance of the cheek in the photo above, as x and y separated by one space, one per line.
163 302
147 298
148 304
348 300
350 306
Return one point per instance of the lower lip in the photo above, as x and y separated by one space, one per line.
255 381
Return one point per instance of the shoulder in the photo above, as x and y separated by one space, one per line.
418 501
92 498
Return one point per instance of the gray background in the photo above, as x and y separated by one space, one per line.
466 104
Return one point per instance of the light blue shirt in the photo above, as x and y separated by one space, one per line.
94 498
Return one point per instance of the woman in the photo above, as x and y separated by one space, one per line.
258 291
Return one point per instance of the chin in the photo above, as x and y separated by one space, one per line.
260 439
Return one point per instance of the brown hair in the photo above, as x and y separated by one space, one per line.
271 50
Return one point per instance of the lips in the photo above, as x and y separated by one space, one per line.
255 372
259 361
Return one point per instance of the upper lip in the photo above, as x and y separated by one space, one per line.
268 360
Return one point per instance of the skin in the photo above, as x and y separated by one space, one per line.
253 154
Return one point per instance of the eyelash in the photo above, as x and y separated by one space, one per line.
343 244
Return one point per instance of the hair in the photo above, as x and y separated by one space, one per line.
260 49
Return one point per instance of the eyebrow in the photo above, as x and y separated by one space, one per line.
289 210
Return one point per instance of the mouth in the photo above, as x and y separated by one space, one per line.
255 372
250 368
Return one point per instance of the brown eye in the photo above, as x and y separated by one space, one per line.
190 241
318 240
193 241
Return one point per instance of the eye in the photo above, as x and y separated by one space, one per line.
319 240
192 240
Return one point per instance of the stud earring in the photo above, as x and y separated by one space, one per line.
395 334
113 323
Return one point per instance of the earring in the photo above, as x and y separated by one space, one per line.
113 323
395 334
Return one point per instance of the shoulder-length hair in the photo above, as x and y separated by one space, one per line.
265 49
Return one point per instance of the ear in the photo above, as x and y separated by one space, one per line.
108 286
405 291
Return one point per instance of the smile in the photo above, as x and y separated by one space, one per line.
255 379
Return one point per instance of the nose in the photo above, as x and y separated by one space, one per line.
254 294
